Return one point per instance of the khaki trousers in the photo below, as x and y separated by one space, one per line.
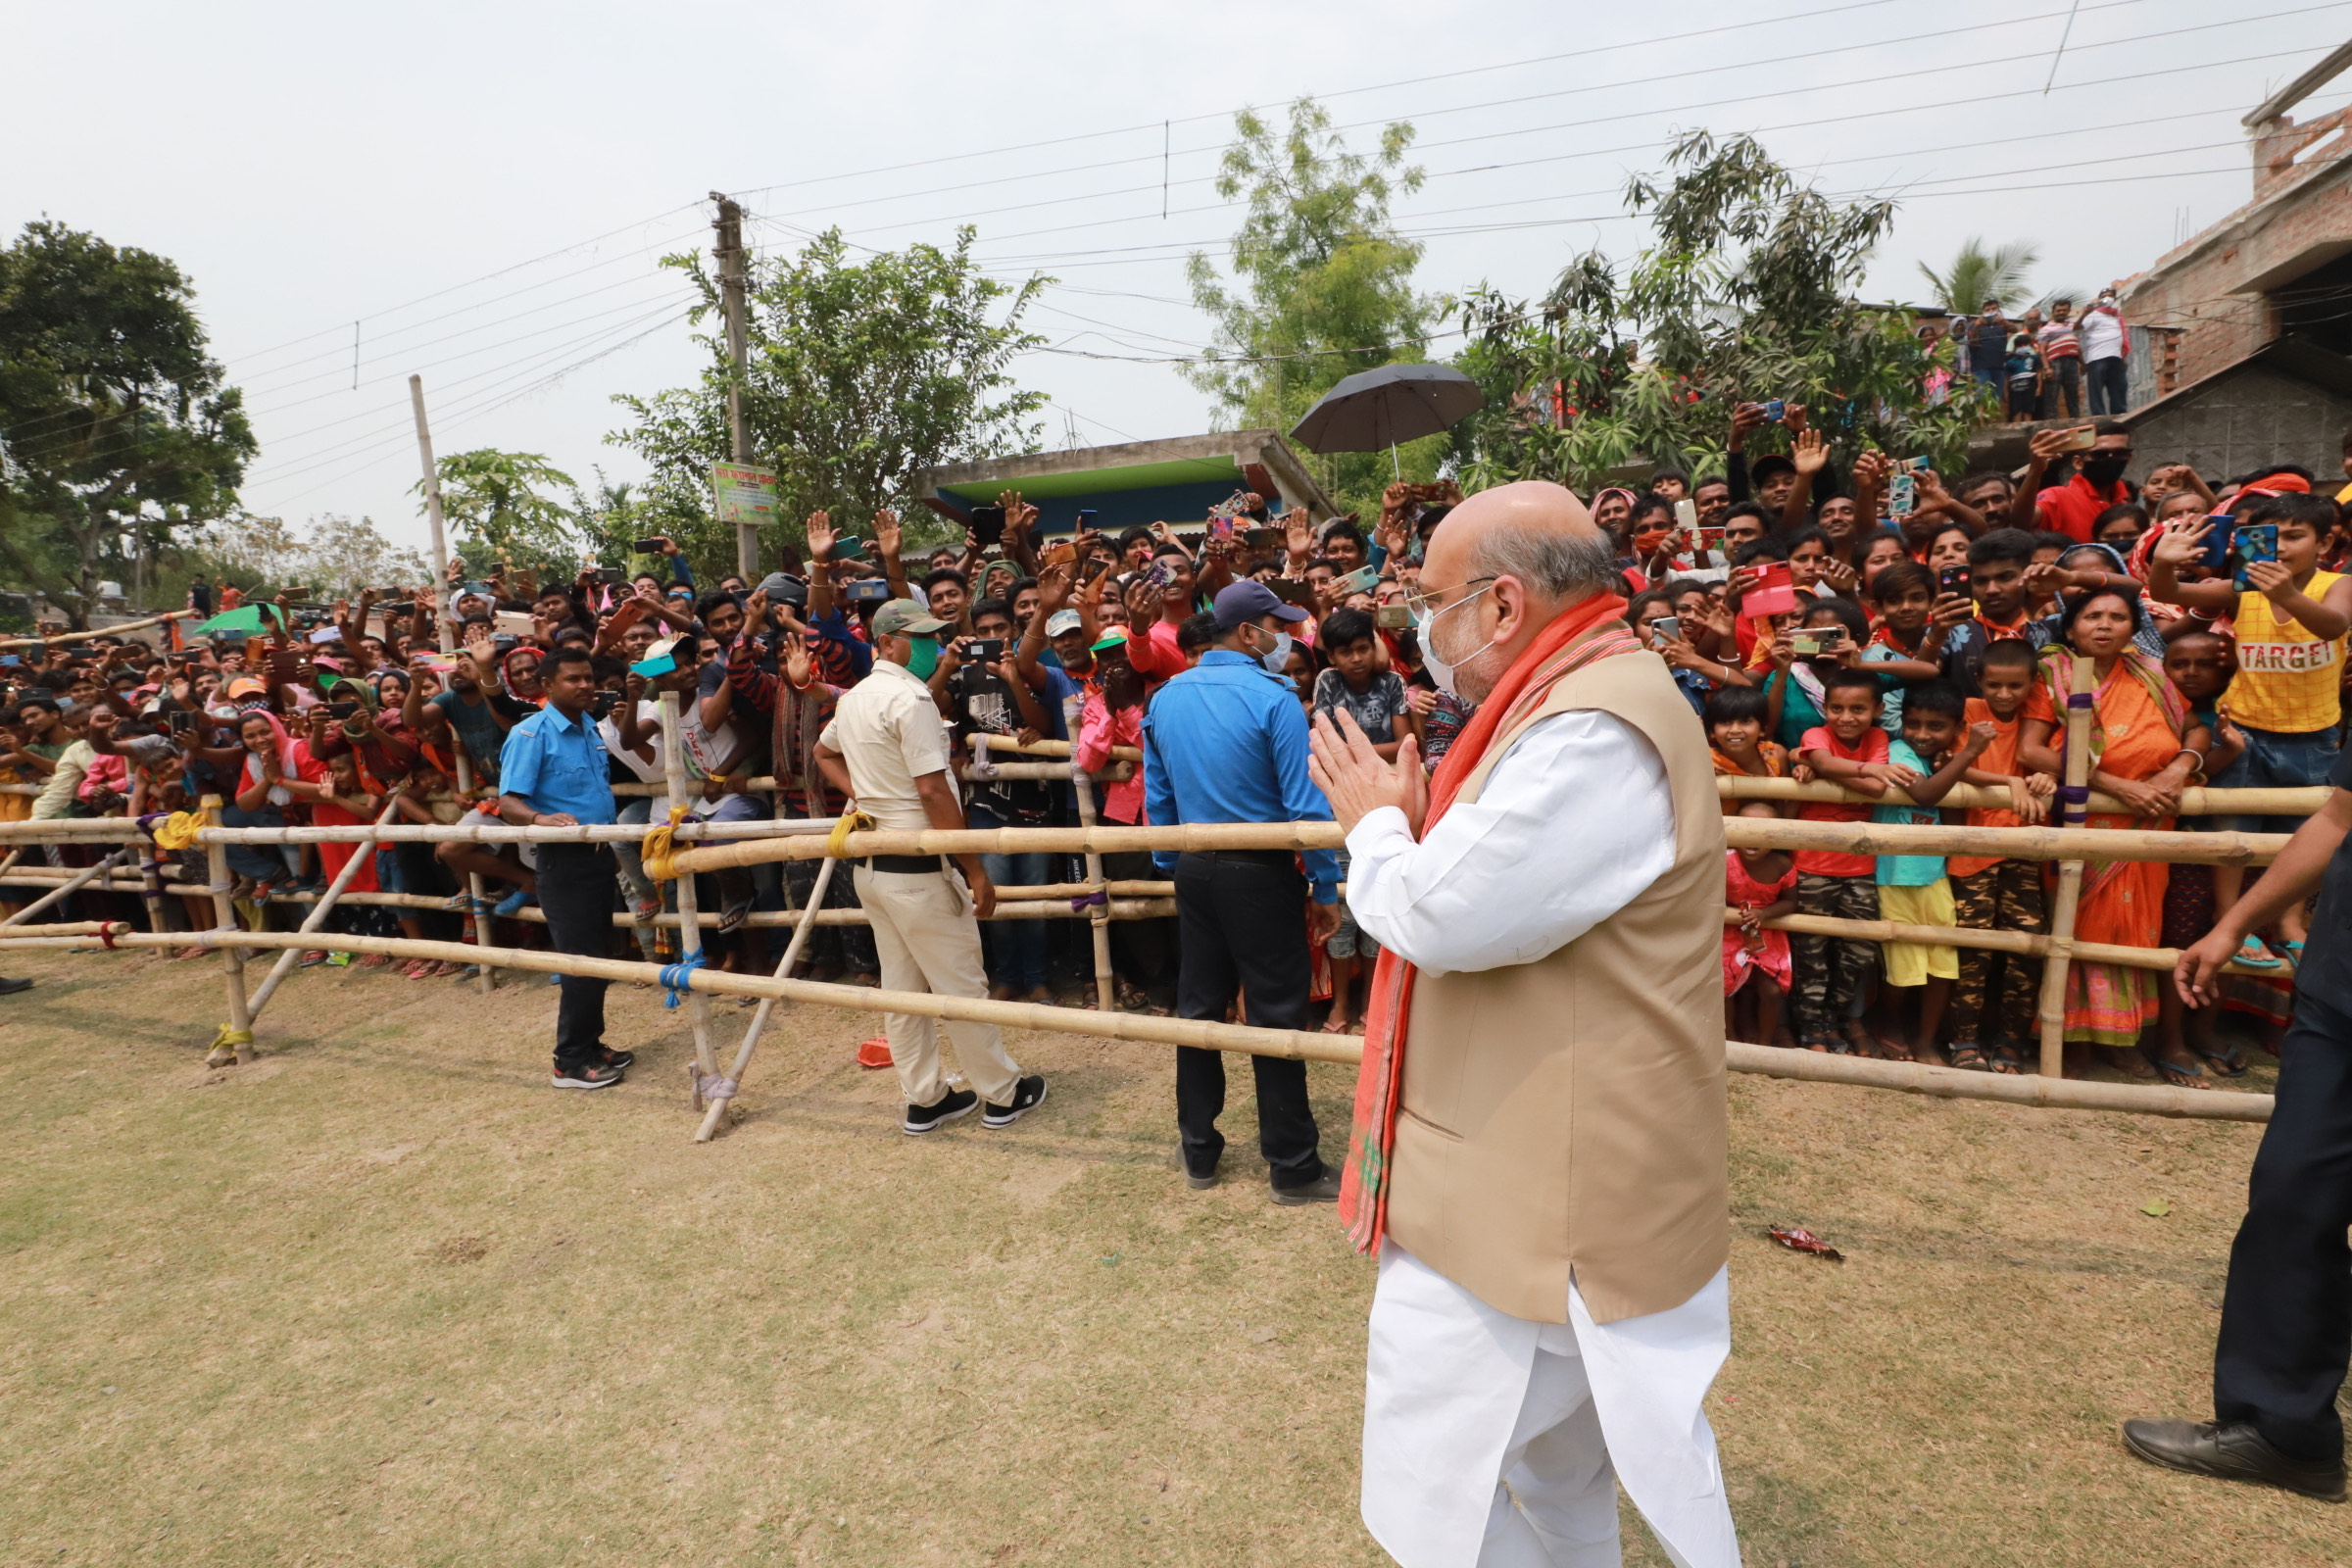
927 940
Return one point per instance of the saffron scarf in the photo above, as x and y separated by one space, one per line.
1583 634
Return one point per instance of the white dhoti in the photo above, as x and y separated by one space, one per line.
1494 1441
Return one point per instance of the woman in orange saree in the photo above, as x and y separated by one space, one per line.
2144 750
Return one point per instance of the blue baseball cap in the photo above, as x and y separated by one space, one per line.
1250 599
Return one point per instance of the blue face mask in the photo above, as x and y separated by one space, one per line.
922 657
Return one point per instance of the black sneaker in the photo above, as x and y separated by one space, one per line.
1324 1189
618 1060
955 1104
585 1075
1027 1094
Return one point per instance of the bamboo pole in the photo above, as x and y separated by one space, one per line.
151 877
445 632
690 929
74 928
2195 802
324 907
64 889
1097 914
721 1094
10 643
1048 747
2061 949
235 1043
1295 1044
1046 908
1992 941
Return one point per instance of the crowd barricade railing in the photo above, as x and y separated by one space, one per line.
770 841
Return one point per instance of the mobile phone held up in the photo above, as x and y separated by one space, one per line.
2255 541
1666 628
1774 592
1391 618
1362 581
1902 495
1953 580
984 651
988 526
1159 574
1220 526
648 547
2220 540
1815 642
1776 411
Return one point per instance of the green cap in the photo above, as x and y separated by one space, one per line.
903 617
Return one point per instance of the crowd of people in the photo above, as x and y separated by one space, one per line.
1888 629
2054 365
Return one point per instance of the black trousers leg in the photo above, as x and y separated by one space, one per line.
2286 1314
1241 924
578 886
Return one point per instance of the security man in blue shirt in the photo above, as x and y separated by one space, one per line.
1226 742
553 774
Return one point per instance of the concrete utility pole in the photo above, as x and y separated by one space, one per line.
732 280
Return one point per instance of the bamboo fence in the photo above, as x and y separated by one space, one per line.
9 644
1205 1034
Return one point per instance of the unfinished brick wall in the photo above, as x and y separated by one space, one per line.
2246 419
2214 286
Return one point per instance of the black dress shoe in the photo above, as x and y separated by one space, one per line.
8 988
2234 1453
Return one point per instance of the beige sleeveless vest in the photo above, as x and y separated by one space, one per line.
1568 1115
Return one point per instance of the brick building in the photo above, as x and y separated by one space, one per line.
2278 266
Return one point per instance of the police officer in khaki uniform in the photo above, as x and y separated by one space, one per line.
887 748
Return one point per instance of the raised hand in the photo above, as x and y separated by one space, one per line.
1298 535
887 534
799 667
2180 543
821 536
1357 782
1809 452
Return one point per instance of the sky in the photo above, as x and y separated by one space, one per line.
482 192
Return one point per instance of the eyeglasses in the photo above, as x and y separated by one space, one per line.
1422 602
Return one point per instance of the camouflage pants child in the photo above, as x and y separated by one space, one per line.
2006 895
1830 972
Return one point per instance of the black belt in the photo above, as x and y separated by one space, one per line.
907 864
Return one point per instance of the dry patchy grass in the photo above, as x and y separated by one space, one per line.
383 1297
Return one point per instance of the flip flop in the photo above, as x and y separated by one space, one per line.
2252 955
1970 1059
2227 1064
2182 1077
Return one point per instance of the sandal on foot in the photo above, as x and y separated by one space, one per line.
2227 1064
1337 1025
1970 1059
2252 955
2295 954
312 959
2182 1077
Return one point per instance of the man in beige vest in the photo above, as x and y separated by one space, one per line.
1538 1143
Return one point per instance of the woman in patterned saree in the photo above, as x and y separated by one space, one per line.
2144 750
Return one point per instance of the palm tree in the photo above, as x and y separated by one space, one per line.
1974 276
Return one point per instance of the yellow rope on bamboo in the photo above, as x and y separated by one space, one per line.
837 843
228 1038
179 830
660 843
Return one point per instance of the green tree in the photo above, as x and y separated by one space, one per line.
500 506
336 558
1975 275
116 429
858 372
1322 284
1748 294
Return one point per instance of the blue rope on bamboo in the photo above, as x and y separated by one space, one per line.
677 978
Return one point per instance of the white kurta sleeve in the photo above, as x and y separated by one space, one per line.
1573 824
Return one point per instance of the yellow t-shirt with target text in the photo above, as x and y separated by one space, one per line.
2289 681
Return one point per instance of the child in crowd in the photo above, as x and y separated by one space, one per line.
1761 884
1906 646
2290 620
1848 748
1991 609
1913 889
1377 699
2201 665
1992 894
1735 719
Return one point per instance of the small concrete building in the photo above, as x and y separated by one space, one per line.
1134 484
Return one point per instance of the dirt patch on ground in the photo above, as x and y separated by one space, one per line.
385 1297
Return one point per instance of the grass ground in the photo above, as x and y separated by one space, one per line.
384 1297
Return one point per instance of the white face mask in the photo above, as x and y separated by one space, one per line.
1279 660
1440 669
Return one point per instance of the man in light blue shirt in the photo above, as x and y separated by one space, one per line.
553 772
1226 742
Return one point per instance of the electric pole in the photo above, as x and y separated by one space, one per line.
731 289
